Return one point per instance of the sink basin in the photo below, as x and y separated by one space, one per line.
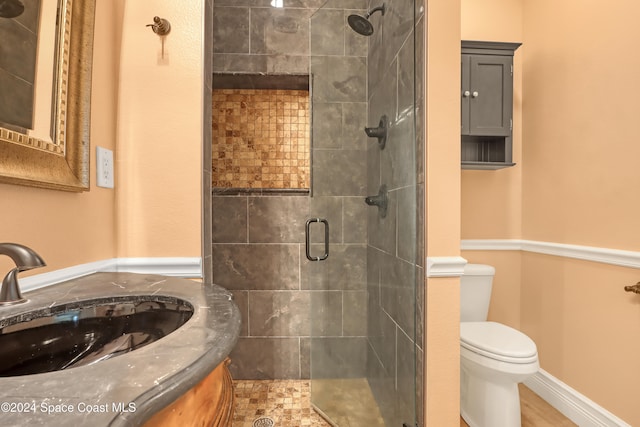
86 332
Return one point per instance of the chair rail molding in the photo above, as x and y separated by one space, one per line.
187 267
611 256
445 266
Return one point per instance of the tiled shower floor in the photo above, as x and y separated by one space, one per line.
348 402
287 402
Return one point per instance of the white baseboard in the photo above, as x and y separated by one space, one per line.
179 267
617 257
573 405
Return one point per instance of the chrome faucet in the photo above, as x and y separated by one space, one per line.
25 259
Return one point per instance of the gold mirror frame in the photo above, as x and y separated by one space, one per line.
63 164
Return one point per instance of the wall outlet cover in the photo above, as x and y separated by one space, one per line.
104 173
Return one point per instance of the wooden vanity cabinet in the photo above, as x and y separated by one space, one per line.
209 403
487 104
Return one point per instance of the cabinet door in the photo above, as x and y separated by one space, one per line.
490 97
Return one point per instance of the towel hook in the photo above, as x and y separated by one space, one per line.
160 26
635 288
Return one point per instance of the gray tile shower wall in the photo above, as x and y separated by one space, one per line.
258 254
258 240
419 90
394 260
251 36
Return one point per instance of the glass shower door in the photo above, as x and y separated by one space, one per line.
361 262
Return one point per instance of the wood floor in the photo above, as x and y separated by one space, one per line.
288 404
536 412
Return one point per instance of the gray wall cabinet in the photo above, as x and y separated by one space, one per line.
487 104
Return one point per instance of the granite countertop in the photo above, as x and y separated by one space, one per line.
128 389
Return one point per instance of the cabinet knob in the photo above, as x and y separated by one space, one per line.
475 94
466 93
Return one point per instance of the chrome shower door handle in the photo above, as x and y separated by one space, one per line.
307 226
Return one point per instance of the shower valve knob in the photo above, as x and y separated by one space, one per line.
380 132
381 200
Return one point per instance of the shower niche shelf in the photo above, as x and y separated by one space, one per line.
261 134
487 104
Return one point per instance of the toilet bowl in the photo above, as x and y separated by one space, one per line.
494 357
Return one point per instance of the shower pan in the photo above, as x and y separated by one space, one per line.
362 250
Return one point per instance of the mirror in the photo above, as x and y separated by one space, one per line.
59 161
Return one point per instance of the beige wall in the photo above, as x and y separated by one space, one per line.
586 328
67 229
491 201
575 183
580 183
582 154
152 106
442 297
160 113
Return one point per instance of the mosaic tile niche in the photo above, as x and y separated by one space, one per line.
260 139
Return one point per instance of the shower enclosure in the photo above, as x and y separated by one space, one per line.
362 260
325 268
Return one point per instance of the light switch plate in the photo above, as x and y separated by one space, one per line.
104 162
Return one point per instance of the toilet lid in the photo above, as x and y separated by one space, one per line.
497 341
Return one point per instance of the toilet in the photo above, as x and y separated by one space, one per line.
494 358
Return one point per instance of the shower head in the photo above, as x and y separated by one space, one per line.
361 24
11 8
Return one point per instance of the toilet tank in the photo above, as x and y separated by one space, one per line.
475 292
